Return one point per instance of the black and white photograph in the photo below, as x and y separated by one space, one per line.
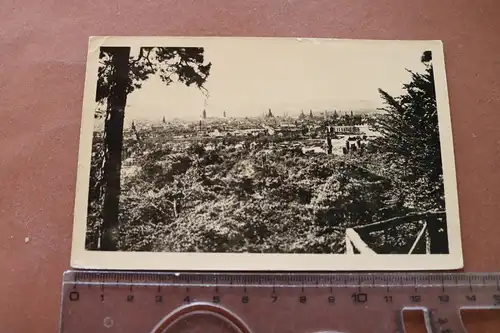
228 153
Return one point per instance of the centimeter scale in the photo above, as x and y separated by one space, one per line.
102 301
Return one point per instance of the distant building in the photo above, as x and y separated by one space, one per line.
289 127
315 149
216 133
270 130
345 129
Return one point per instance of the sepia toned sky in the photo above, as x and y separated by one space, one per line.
250 76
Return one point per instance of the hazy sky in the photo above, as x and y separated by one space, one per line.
249 77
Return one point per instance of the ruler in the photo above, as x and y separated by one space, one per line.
104 301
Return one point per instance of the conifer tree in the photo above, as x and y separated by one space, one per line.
410 136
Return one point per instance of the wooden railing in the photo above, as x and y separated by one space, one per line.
431 233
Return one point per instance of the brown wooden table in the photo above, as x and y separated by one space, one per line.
42 62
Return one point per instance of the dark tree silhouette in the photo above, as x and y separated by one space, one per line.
411 135
119 75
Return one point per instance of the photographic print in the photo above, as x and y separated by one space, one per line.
225 153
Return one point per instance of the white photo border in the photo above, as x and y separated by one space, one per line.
91 259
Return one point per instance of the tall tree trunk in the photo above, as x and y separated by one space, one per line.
113 131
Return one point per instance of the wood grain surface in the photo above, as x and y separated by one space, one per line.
42 62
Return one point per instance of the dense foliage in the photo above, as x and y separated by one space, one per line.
180 197
411 139
218 196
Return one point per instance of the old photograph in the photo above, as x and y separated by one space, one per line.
266 154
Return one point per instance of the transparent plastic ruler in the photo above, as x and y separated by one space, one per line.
109 302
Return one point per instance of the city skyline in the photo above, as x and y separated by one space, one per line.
324 76
226 115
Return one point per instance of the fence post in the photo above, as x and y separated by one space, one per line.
427 241
349 249
357 243
418 240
